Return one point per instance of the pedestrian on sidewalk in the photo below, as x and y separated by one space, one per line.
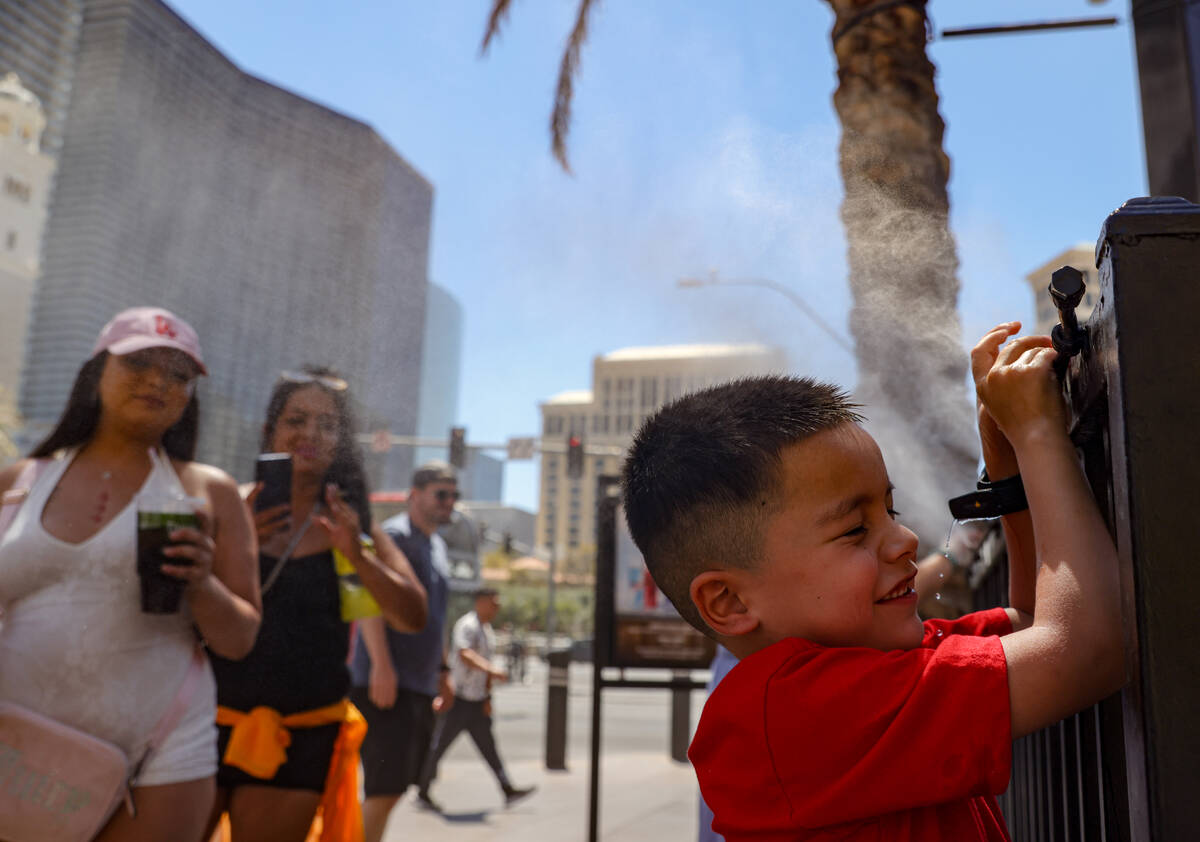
86 640
401 680
472 670
516 654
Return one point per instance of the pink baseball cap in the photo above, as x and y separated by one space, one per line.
149 327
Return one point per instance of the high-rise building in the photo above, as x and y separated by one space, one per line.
285 232
1081 257
441 365
25 175
482 478
627 386
38 39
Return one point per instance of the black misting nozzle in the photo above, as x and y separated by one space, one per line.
1068 336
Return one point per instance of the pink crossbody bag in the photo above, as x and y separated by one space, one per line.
57 783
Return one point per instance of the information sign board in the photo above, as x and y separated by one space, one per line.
636 625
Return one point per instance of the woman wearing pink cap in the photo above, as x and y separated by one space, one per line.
78 643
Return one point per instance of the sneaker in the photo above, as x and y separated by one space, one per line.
426 801
513 794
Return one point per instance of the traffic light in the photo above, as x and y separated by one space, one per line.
458 447
574 457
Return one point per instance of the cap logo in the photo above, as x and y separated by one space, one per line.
163 327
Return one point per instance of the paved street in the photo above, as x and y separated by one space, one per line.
644 795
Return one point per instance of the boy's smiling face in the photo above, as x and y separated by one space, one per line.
837 569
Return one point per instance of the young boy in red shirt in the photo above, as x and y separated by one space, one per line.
764 512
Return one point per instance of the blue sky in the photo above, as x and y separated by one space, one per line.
704 138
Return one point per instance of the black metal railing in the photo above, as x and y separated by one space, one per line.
1068 781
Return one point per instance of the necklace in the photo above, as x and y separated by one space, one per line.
102 502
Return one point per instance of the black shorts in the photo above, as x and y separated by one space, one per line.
306 767
397 741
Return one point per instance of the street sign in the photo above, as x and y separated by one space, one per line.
381 441
521 448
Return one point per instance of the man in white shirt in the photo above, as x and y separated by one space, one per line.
472 671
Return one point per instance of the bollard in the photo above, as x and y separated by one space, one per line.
559 661
681 719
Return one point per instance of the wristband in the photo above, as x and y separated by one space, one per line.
990 499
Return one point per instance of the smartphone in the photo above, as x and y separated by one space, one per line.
274 471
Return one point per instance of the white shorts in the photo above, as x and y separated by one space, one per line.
190 751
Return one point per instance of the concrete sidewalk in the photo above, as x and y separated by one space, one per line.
643 799
644 795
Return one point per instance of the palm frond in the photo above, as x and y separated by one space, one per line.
560 119
495 19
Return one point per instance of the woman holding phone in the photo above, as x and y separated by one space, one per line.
77 643
296 678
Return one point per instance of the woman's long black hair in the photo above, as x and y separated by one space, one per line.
79 418
347 471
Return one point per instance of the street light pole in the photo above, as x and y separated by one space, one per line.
714 280
550 594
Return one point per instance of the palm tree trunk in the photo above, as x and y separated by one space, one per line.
902 259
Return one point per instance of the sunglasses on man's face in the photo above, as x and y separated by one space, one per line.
335 384
443 495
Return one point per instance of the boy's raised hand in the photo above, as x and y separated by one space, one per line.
997 452
1066 650
1016 384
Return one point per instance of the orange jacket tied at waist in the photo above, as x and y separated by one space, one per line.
258 745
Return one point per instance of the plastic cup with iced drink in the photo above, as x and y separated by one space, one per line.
158 516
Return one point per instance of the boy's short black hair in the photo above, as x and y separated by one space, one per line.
698 479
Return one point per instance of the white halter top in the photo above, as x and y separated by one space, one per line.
74 643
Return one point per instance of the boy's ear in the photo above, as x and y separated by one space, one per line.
715 595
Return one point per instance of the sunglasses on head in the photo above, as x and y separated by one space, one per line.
443 495
335 384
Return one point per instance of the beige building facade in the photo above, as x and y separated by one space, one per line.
1081 257
25 177
628 385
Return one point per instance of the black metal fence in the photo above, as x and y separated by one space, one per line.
1068 781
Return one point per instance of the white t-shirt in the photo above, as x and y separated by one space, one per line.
469 633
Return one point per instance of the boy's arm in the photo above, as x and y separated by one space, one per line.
1001 463
1073 654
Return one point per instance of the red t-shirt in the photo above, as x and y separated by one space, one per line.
802 741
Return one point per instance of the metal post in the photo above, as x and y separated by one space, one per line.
557 691
1147 355
606 507
594 781
681 719
1167 39
550 603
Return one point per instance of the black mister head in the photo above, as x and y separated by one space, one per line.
1067 287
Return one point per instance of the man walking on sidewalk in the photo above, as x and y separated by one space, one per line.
400 680
472 648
